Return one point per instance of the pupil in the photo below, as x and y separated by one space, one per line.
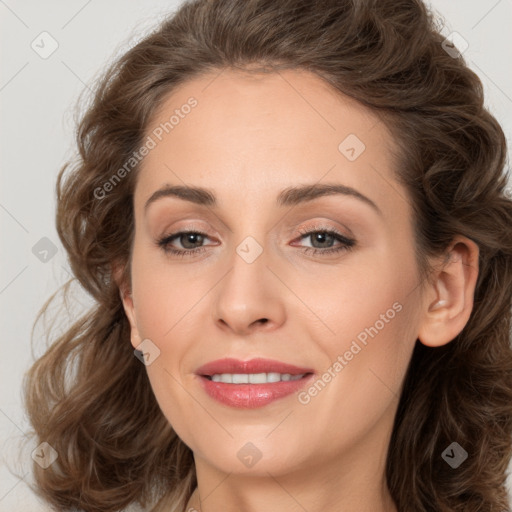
322 237
192 236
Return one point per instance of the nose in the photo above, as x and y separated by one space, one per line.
250 297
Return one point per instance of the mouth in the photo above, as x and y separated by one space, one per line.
251 384
236 371
254 378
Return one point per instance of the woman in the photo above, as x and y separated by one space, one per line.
293 219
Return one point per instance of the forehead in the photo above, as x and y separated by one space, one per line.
255 134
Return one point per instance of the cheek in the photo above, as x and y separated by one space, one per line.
371 317
354 296
365 366
164 300
161 295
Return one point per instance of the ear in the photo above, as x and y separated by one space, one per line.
449 294
125 293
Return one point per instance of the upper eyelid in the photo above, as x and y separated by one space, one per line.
308 229
317 225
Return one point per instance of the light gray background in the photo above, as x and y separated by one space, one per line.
37 97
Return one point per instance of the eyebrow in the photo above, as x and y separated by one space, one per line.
290 196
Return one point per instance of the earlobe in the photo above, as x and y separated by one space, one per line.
449 295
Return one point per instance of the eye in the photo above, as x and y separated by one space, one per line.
186 238
324 237
191 242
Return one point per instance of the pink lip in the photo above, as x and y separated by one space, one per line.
250 396
258 365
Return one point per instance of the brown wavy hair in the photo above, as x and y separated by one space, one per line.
90 398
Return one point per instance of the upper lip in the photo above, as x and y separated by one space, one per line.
258 365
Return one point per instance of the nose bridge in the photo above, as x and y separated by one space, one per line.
248 267
249 292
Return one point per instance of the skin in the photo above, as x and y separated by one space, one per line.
249 137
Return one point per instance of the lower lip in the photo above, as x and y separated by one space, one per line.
251 396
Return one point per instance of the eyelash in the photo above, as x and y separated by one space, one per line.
347 244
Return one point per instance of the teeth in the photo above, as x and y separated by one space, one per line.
257 378
254 378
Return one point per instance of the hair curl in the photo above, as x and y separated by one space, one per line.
115 446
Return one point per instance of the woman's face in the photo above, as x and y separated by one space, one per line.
257 289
